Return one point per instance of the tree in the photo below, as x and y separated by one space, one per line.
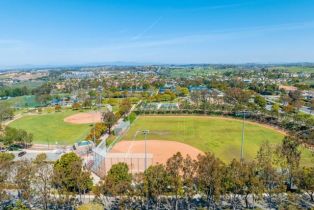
189 167
16 136
296 98
290 155
271 180
87 103
182 91
43 179
174 167
312 105
19 206
57 108
260 101
237 96
76 106
125 107
6 112
195 98
233 182
204 100
288 108
109 119
275 108
4 157
285 99
43 99
306 181
5 168
156 181
132 117
249 180
97 131
68 174
23 179
118 181
209 177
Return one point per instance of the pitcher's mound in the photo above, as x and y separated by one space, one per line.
161 150
84 118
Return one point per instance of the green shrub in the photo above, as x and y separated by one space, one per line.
132 117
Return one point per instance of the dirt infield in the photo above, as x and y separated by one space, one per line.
84 118
161 150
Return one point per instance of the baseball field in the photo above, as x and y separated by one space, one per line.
221 136
196 134
55 127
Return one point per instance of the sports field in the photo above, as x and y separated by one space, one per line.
221 136
51 128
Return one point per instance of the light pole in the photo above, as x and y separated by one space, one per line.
242 142
145 132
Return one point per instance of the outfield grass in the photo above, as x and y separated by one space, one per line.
50 128
218 135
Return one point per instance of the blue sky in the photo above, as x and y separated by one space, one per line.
63 32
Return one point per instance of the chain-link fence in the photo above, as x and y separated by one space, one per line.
137 162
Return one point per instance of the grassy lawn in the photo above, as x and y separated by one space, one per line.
50 127
220 136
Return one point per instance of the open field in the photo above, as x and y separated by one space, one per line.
221 136
51 128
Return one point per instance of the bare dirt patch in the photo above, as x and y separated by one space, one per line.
161 150
84 118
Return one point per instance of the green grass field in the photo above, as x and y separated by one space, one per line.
220 136
50 127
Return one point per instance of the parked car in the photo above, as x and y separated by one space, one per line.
21 153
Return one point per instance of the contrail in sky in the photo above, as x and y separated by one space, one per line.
138 36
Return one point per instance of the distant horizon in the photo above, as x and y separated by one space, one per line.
122 64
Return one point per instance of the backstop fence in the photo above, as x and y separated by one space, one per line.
135 161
